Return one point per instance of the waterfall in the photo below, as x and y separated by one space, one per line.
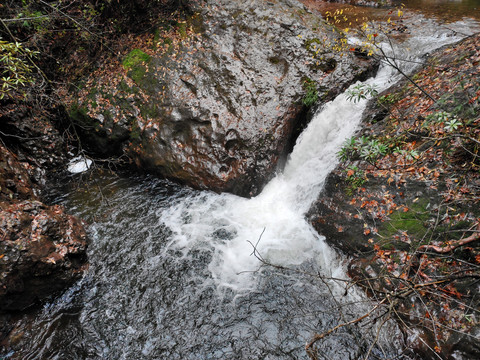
229 225
161 254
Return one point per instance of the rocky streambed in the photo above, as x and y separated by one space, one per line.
215 100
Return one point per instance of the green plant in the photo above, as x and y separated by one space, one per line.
452 125
407 154
440 116
33 19
15 71
311 92
450 122
364 147
355 178
361 92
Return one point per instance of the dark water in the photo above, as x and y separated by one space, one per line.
139 301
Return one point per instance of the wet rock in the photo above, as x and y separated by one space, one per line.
216 107
377 237
29 132
42 251
15 181
333 217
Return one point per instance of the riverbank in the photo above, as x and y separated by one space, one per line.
403 204
161 251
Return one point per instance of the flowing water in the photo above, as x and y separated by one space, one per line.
172 271
446 11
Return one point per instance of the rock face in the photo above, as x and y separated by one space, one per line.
386 217
372 3
42 249
30 134
216 103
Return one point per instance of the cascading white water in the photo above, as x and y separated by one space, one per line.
154 244
229 225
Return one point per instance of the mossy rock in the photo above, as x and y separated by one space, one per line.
135 58
79 114
137 74
412 221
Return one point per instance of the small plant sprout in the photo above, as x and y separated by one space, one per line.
452 125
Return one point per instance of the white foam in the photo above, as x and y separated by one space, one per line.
227 225
79 164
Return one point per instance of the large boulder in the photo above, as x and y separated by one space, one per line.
214 102
42 249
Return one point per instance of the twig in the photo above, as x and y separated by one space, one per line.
21 137
317 337
79 24
453 244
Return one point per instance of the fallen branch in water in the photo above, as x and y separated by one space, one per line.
317 337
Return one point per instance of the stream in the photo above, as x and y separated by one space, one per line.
175 273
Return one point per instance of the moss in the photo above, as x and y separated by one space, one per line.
182 29
78 113
236 14
456 230
388 246
125 105
135 133
123 86
92 93
136 71
156 39
274 60
311 44
107 116
413 221
137 74
301 12
135 58
150 111
195 22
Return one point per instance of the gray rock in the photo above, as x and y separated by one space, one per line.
219 109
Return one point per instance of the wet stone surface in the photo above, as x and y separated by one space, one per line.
218 108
